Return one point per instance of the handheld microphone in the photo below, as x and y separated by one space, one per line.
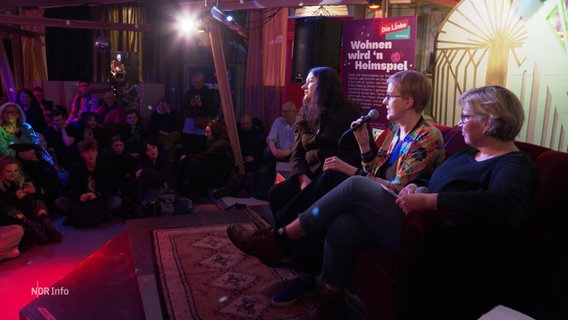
373 114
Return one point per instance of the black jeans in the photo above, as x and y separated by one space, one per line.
301 200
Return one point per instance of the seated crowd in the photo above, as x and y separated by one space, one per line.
94 164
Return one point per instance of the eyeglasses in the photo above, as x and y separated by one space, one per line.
389 96
465 117
12 112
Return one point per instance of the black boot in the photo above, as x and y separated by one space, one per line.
37 233
331 307
52 234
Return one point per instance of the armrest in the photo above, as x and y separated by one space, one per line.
446 256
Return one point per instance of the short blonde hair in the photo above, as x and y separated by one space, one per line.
413 84
502 108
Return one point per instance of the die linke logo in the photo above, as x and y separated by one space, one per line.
393 27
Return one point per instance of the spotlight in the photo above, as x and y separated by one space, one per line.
374 4
231 23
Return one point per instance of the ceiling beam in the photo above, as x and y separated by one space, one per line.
233 5
76 24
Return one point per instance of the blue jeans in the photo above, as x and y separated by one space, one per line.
357 213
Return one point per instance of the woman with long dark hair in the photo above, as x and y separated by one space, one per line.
325 115
34 114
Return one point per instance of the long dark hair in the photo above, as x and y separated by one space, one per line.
327 99
29 93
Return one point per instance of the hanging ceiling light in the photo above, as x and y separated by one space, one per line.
374 4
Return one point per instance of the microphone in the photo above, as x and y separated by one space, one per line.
373 114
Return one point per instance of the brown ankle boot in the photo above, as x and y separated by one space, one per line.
52 234
261 244
36 232
331 307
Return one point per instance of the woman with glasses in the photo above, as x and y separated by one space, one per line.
14 128
491 182
410 150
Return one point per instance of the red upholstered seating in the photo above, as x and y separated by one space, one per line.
449 267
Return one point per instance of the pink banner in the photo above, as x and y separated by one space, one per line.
373 49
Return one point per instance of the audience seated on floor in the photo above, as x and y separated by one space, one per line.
83 101
92 190
89 128
210 168
42 174
157 183
21 203
34 114
280 139
112 114
252 142
123 168
134 134
45 105
61 140
15 129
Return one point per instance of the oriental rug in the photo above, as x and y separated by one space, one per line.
202 275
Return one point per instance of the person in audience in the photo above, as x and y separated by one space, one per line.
252 142
91 192
110 103
164 129
491 182
200 105
45 105
10 237
34 114
280 139
83 101
410 150
134 134
14 128
61 141
210 168
326 114
123 168
41 173
20 202
158 187
89 128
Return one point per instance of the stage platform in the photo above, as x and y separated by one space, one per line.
118 281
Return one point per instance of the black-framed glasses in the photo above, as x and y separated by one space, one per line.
389 96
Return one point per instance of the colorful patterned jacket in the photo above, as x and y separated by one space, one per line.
420 153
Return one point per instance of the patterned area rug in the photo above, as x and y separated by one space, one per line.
202 275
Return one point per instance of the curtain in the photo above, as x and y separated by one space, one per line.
125 41
265 81
35 60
